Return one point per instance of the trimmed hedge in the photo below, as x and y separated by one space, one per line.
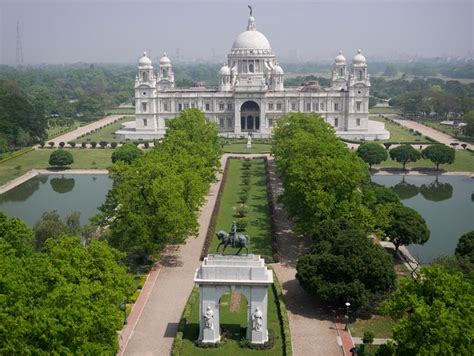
17 154
282 315
271 205
215 212
178 340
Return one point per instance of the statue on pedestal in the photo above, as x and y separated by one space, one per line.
257 319
249 141
208 318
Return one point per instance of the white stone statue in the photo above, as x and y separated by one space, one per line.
249 141
209 318
257 319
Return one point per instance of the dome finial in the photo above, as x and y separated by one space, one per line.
251 10
144 53
359 51
251 24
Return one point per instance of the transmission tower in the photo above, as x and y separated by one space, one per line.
19 49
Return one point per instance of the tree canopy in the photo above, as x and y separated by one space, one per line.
347 268
439 154
407 227
404 154
63 299
434 313
126 153
156 198
372 153
61 158
320 175
465 246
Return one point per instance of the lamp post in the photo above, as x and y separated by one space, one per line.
347 316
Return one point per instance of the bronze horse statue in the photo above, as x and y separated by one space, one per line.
237 240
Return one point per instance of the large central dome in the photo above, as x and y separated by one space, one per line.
251 39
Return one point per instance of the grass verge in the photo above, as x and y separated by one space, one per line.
105 133
38 159
242 148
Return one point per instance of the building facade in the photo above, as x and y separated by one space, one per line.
251 95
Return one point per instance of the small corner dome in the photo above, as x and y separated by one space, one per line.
225 70
165 59
144 61
340 59
359 58
277 69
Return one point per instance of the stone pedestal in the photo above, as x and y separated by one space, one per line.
221 274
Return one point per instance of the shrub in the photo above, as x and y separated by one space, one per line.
463 145
241 224
113 144
368 337
387 145
72 144
243 198
93 144
147 145
83 145
103 144
126 153
42 143
51 144
246 180
61 158
241 211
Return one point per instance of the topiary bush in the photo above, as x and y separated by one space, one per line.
61 158
103 144
84 145
113 144
93 144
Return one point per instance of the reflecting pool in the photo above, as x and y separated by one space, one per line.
64 193
446 203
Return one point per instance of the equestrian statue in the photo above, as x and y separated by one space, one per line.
233 239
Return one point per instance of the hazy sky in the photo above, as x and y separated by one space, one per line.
69 31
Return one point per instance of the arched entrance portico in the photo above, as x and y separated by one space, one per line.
221 274
250 117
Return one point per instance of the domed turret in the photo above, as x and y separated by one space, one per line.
225 70
144 61
359 59
340 59
165 60
278 70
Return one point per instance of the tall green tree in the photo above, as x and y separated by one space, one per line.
439 154
465 246
404 154
346 268
372 153
126 153
434 314
407 227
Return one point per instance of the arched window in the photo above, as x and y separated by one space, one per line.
251 68
360 75
341 71
145 76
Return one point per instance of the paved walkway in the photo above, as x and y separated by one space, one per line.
312 331
73 135
17 181
429 131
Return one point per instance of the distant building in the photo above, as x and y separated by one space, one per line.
251 96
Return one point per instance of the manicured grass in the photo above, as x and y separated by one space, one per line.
258 227
381 326
242 148
236 324
106 133
464 162
118 111
38 159
398 133
389 110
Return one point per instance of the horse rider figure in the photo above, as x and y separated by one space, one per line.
233 232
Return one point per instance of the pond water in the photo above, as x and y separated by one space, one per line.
446 203
64 193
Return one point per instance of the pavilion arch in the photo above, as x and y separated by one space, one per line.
250 116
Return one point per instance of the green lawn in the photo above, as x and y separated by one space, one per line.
398 133
258 227
236 325
242 148
389 110
381 326
118 111
106 133
38 159
464 162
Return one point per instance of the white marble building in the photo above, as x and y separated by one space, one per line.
251 95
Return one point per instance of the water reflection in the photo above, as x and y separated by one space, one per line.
27 189
436 191
405 190
62 185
